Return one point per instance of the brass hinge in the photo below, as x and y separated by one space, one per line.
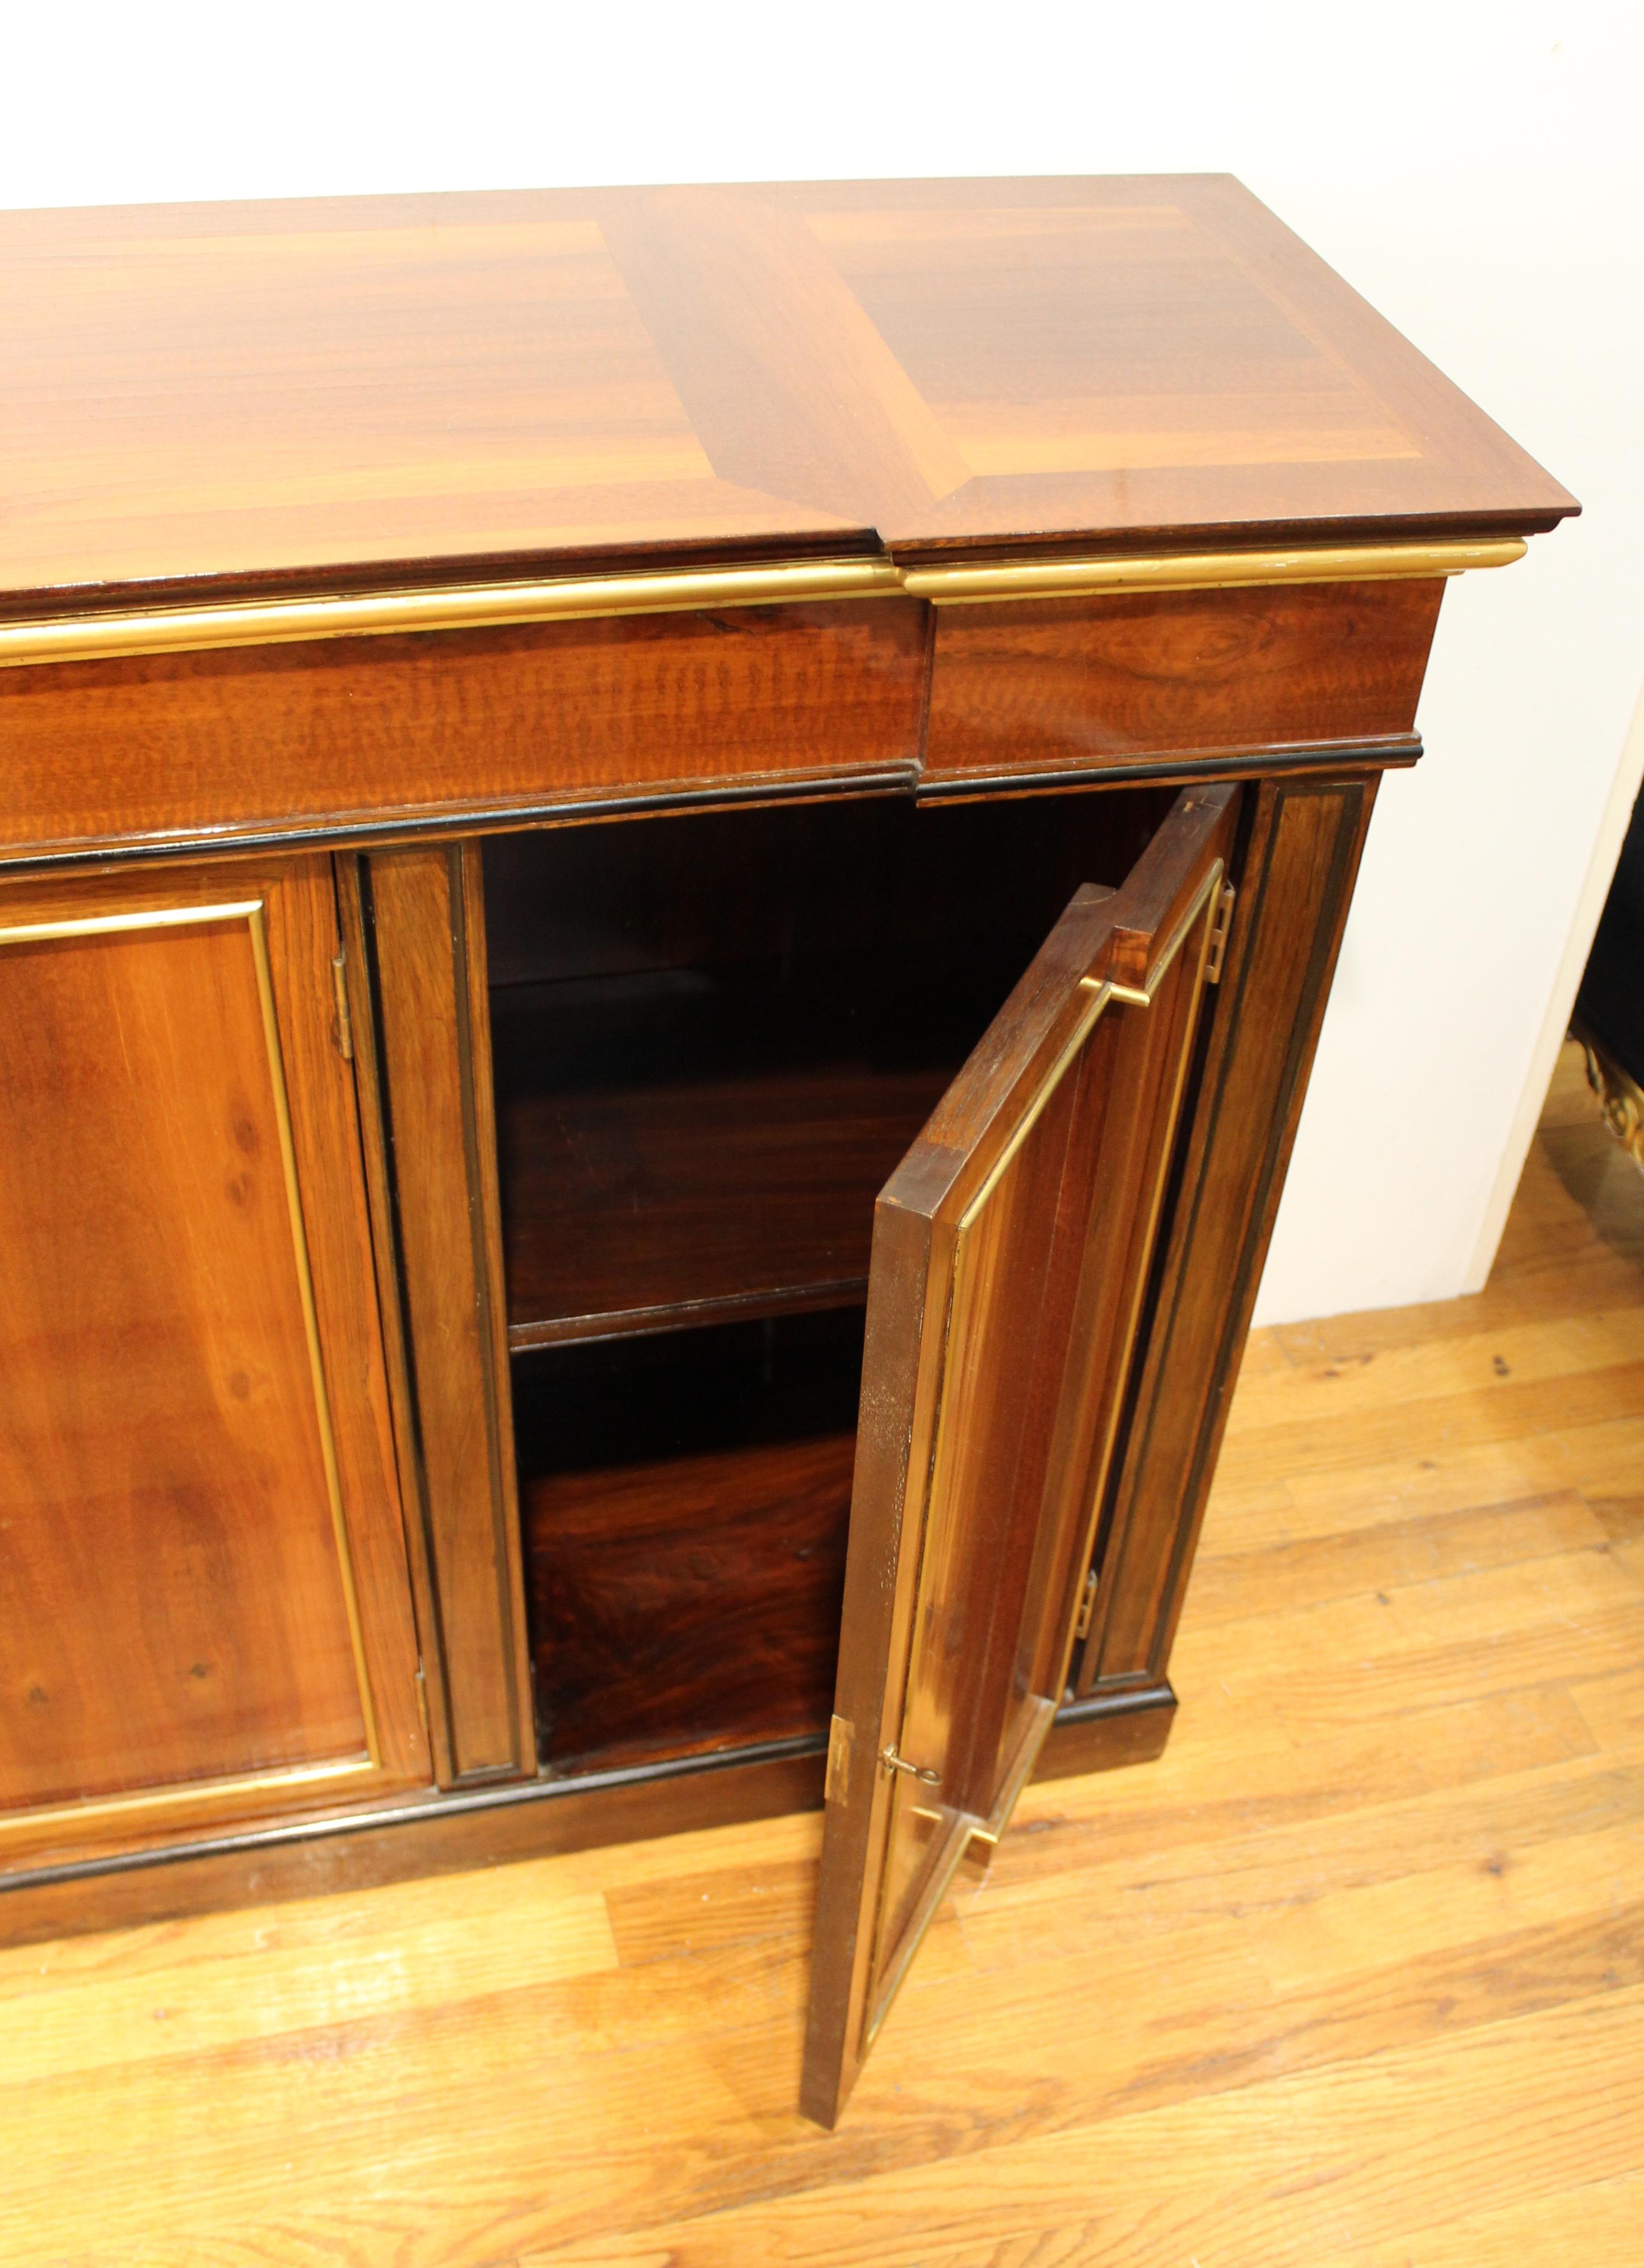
344 1021
1219 935
1086 1606
841 1733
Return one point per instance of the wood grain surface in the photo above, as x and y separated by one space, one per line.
1096 682
1354 1974
749 1192
174 1604
427 934
263 396
685 1497
176 1597
369 734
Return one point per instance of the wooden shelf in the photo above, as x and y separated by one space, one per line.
682 1150
716 1038
684 1507
687 1605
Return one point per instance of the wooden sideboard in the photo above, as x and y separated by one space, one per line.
669 861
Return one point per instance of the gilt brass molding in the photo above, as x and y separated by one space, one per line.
458 606
45 933
1203 570
110 637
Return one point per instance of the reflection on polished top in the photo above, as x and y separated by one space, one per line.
265 398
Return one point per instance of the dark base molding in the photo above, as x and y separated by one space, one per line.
1106 1730
532 1819
441 1834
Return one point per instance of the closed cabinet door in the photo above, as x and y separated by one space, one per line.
204 1615
1010 1260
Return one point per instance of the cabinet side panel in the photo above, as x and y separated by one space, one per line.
442 1192
1298 875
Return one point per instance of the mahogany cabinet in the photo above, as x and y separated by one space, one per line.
669 862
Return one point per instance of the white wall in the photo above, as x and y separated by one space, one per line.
1470 166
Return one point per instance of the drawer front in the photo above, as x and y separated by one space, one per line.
355 734
1134 680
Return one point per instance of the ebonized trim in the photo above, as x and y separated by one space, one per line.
1262 763
499 819
582 1792
444 1804
897 779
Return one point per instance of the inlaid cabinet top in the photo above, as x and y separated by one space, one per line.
297 395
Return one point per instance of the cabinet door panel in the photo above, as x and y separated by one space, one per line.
1010 1255
198 1594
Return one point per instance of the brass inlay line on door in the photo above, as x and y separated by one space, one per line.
280 1784
496 605
1102 989
252 912
112 925
966 1828
311 1320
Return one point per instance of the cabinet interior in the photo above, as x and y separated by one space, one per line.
714 1036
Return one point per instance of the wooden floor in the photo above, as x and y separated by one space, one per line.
1355 1975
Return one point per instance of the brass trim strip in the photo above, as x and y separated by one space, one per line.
1205 571
108 924
963 1828
1042 1716
494 605
482 605
1100 992
258 927
886 1977
180 1794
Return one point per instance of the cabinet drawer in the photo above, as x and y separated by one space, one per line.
1111 683
370 733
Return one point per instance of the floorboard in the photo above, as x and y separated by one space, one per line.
1354 1975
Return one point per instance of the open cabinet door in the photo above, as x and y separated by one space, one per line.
1010 1256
